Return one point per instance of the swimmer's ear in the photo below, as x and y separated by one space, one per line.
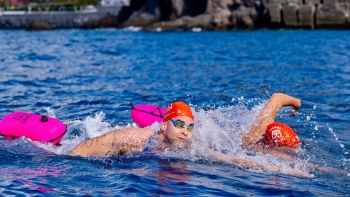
163 126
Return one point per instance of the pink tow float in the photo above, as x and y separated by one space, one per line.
33 126
146 115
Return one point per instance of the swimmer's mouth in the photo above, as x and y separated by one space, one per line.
182 139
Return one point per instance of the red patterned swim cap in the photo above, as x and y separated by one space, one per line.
177 108
279 134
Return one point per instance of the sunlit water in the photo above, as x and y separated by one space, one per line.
89 79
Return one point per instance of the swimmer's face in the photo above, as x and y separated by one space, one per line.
178 136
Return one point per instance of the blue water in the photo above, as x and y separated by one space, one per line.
89 78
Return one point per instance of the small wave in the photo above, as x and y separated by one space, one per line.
196 29
132 28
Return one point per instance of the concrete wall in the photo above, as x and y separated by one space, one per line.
55 19
310 14
307 16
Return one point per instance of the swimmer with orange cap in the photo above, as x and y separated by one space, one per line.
269 132
176 130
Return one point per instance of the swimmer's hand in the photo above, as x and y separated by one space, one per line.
296 172
295 107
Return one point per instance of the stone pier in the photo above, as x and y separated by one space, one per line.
275 13
307 16
333 15
290 16
310 14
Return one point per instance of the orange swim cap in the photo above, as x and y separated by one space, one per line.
279 134
177 108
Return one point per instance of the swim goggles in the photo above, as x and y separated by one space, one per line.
181 125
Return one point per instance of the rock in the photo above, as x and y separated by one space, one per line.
178 24
91 24
214 5
243 18
333 16
194 7
248 3
165 9
151 7
108 21
39 25
274 1
307 16
178 7
327 2
124 14
140 19
137 4
203 21
293 2
222 19
290 15
312 2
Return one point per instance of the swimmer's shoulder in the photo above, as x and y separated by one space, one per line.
146 132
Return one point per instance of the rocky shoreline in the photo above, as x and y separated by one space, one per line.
196 15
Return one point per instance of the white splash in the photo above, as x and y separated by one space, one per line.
132 28
221 130
50 112
196 29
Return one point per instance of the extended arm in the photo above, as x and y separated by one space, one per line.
117 142
253 165
269 114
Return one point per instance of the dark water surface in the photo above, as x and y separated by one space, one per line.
91 77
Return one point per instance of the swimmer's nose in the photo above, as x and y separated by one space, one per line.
185 132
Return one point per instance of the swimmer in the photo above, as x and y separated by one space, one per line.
176 130
270 137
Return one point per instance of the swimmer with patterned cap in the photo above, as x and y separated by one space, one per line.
279 134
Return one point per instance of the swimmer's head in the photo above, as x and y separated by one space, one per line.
178 108
178 124
279 134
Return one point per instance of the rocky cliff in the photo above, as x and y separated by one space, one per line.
235 14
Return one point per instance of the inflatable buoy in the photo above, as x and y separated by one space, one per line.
279 134
146 115
33 126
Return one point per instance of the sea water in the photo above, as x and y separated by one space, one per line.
88 78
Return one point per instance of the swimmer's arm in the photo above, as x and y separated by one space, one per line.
251 165
269 113
116 142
